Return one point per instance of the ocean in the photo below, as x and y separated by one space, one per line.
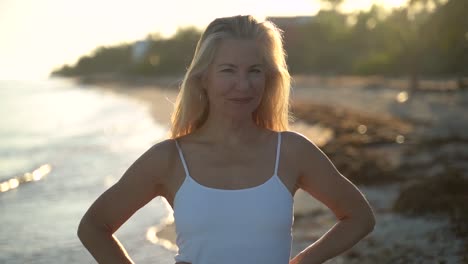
61 146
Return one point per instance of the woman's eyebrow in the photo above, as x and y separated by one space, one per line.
227 64
234 66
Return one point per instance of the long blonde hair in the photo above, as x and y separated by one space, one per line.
192 108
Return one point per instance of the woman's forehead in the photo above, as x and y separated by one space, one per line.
238 52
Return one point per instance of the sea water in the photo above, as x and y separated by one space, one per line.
61 145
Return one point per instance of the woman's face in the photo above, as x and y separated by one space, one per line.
235 80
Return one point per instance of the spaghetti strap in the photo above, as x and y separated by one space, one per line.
181 155
278 148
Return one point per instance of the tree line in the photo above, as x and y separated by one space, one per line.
425 38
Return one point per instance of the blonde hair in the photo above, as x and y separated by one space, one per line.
192 108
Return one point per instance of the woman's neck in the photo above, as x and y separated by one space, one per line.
230 132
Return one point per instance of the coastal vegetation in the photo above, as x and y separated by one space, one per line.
426 38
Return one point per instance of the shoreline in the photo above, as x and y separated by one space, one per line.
381 169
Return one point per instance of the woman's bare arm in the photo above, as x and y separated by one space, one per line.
143 181
320 178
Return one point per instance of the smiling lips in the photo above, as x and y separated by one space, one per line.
243 100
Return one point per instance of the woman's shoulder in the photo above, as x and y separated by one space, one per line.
159 159
163 147
294 139
160 153
304 150
298 143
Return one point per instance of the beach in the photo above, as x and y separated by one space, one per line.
405 150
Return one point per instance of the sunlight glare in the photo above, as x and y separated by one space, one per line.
42 171
13 183
36 175
350 6
362 129
4 186
400 139
151 233
402 97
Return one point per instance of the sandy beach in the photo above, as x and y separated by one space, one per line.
381 138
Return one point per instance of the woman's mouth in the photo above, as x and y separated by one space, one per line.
243 100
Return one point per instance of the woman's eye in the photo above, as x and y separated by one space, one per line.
256 71
227 70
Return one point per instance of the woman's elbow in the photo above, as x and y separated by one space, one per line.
81 231
365 215
88 228
369 220
363 220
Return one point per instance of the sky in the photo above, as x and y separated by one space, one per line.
38 36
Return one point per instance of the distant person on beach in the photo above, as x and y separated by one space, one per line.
231 167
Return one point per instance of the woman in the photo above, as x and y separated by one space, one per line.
231 168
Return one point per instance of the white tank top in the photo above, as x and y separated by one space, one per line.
220 226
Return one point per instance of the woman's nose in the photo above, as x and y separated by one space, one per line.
243 81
